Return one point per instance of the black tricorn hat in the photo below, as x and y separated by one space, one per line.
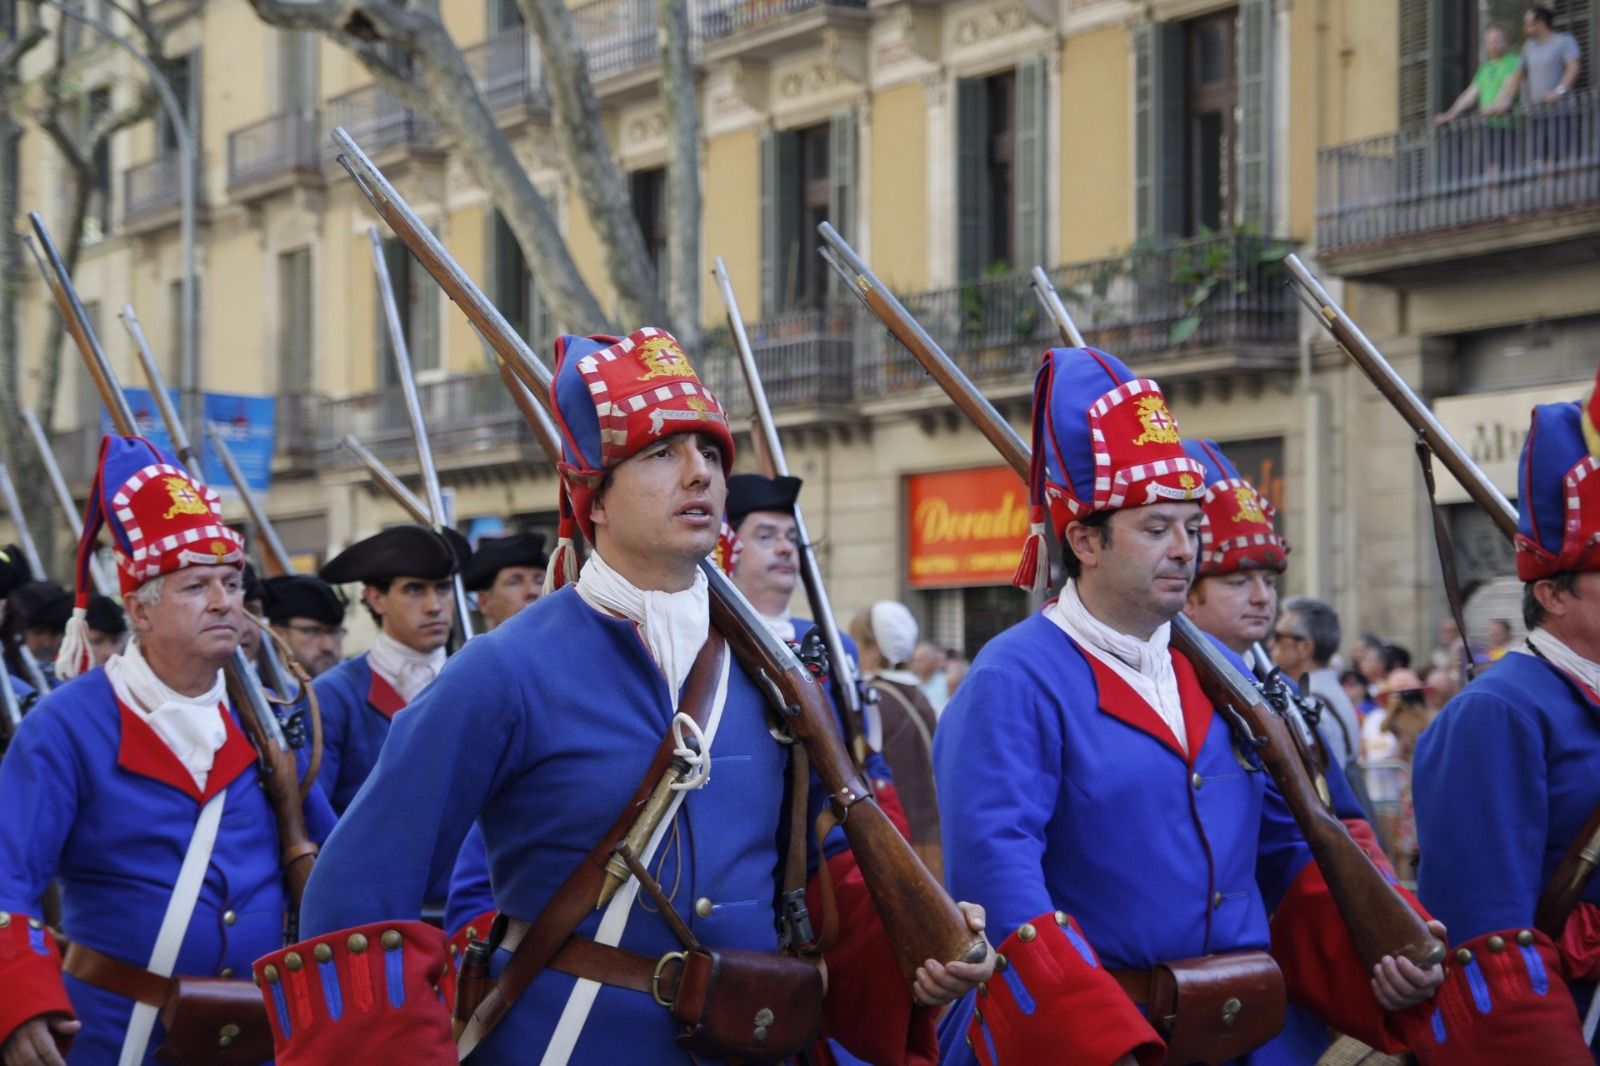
748 493
41 603
302 596
401 551
494 554
104 615
252 584
14 569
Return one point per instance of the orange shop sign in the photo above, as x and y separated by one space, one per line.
967 527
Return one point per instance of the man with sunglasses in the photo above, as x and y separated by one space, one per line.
1302 642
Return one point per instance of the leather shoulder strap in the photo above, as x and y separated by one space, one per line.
575 899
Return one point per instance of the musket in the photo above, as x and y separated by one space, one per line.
275 558
775 464
1565 889
275 761
921 920
419 430
1379 920
388 481
1279 693
189 458
103 584
30 553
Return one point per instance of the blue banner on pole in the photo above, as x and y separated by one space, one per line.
246 423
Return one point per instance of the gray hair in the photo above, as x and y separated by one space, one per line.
149 593
1317 622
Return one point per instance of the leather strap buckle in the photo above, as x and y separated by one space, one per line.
655 978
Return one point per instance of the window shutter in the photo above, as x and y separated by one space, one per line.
770 256
1413 89
842 133
1255 115
972 178
1452 56
1029 174
1158 129
780 218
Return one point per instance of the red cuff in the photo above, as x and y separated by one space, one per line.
1051 1001
1321 969
365 994
868 1009
30 973
1503 1000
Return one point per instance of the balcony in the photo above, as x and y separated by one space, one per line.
507 71
805 358
378 121
295 426
619 36
758 22
150 192
1177 309
274 154
1460 198
465 414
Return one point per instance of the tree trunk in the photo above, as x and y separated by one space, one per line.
594 170
683 173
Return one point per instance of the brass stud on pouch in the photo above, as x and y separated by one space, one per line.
391 939
357 943
292 961
1026 932
322 952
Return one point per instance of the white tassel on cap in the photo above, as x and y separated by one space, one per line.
75 656
563 568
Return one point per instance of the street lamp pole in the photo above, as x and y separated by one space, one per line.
189 372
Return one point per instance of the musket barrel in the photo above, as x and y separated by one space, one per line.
388 481
158 392
58 482
277 556
13 505
1045 290
1365 354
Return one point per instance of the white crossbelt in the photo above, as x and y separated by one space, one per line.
174 924
615 920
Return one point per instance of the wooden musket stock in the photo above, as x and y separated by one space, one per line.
921 919
1572 875
276 767
1379 920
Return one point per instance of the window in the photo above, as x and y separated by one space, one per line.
1000 171
504 15
91 111
183 76
295 331
297 72
417 306
807 176
511 285
1210 93
647 190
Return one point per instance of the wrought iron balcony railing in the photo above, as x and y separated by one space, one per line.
617 35
152 187
507 71
722 18
377 120
285 143
1474 171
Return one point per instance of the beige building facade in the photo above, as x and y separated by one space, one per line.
1159 158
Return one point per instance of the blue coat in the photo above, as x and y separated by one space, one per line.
95 801
357 707
1503 781
1054 799
540 731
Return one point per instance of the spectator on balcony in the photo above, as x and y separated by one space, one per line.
1549 68
1498 65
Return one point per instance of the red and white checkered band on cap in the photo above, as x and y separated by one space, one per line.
1236 530
644 388
170 521
1138 455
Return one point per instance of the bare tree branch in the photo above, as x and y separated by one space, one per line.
683 172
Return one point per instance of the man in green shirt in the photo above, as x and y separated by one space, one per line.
1487 83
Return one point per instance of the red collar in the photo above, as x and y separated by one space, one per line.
382 695
1119 700
143 752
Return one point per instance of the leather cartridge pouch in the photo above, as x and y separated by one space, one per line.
1214 1009
215 1020
747 1006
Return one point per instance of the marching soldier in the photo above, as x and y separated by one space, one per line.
761 514
1113 835
40 611
627 664
1504 782
108 628
507 573
405 574
307 614
131 786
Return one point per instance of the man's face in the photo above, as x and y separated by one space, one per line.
1372 666
662 510
1236 608
769 556
513 589
1494 43
200 615
42 642
317 647
1290 647
415 611
103 645
1142 572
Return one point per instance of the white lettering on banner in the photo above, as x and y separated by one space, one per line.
1490 427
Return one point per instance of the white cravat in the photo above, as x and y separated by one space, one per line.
1562 657
407 669
673 625
1146 665
782 625
191 726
